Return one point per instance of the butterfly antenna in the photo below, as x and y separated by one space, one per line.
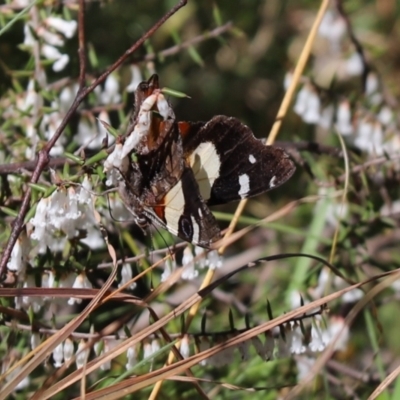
110 211
171 253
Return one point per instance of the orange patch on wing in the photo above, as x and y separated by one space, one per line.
160 212
184 128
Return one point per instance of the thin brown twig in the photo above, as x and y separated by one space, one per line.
82 44
118 336
188 43
370 163
43 156
312 147
20 167
360 375
56 85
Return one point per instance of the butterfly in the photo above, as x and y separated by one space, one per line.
173 171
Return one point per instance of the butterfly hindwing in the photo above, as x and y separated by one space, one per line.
229 163
184 213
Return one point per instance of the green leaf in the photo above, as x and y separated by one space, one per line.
269 311
9 211
217 15
100 173
31 315
134 157
92 56
195 56
203 323
175 37
17 17
30 214
127 331
74 158
38 187
101 155
231 320
50 191
174 93
112 131
149 48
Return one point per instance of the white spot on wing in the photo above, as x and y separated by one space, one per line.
244 182
196 230
272 182
200 213
174 205
205 164
252 159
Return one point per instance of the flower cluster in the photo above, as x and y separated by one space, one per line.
193 261
126 277
50 280
64 352
375 133
337 335
20 255
39 111
286 343
90 133
63 216
368 123
49 35
291 343
328 281
81 282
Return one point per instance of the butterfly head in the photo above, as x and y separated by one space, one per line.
146 89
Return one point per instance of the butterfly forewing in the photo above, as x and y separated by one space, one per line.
229 163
